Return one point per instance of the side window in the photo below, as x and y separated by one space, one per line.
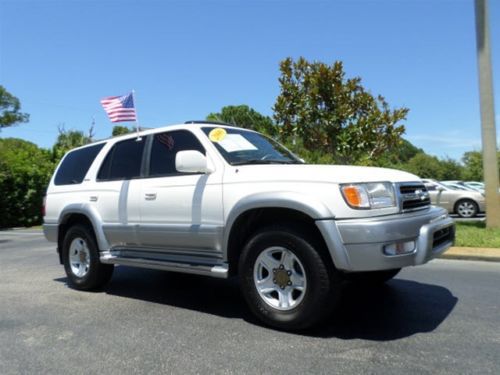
430 187
76 165
165 147
123 161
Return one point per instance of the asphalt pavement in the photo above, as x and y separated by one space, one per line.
440 318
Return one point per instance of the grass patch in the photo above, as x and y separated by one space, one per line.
475 234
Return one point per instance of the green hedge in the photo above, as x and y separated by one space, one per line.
25 171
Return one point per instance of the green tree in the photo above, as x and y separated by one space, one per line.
10 109
120 130
245 117
333 114
397 156
451 169
425 166
67 140
473 165
25 170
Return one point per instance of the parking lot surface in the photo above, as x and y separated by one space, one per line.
443 317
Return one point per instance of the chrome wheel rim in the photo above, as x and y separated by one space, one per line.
79 257
466 209
280 278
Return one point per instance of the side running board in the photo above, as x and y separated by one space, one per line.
215 270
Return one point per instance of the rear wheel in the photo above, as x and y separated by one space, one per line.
466 208
81 260
286 279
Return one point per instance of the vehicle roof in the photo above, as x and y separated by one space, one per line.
145 132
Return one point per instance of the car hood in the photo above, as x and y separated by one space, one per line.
320 173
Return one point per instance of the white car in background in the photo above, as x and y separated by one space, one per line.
470 185
479 186
456 186
464 203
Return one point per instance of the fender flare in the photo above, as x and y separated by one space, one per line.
306 204
94 217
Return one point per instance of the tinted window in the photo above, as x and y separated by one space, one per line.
123 161
76 165
165 147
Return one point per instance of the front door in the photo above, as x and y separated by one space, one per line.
180 213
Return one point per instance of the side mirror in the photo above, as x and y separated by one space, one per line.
191 161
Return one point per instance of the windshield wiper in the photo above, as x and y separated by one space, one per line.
265 161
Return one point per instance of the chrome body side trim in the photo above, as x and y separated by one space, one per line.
182 236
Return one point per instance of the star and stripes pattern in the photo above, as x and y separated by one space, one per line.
120 108
166 140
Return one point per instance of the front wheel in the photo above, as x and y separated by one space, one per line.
81 260
466 208
287 280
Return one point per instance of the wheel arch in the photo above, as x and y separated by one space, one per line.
86 215
260 210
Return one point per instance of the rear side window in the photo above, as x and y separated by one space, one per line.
123 161
76 165
166 146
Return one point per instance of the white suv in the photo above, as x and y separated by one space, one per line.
217 200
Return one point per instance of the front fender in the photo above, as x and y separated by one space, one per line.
308 205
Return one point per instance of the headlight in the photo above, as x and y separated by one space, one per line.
369 195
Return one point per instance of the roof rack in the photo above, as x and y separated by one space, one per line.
208 122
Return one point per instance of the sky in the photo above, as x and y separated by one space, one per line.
186 59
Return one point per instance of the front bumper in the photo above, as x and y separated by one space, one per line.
358 244
482 206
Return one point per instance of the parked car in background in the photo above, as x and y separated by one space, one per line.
479 186
464 203
471 185
456 186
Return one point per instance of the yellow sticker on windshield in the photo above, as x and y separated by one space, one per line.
217 134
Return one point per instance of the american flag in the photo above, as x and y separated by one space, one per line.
120 108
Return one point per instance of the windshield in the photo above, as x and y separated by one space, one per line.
241 147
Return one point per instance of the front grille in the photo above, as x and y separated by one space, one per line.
414 196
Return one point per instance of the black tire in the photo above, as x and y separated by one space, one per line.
471 208
97 274
322 279
372 277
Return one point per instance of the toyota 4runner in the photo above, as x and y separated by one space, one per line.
217 200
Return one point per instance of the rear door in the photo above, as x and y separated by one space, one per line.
117 191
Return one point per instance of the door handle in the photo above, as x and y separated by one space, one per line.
93 198
150 196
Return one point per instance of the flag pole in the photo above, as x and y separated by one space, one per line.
136 117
